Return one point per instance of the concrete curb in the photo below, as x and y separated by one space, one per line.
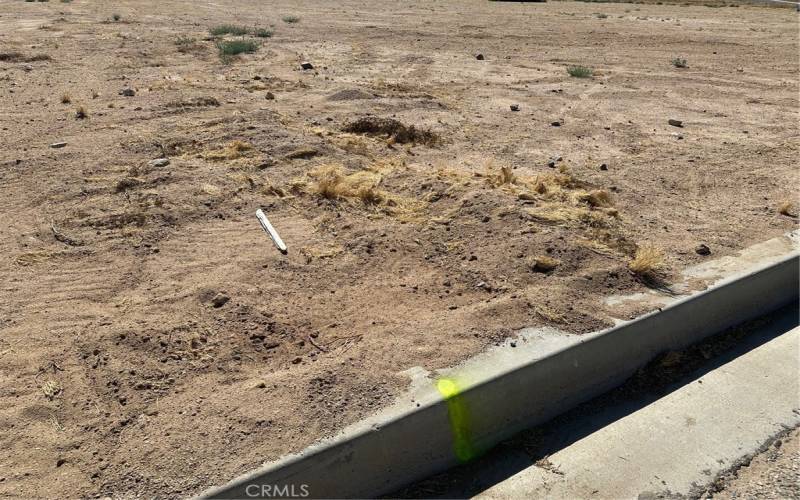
469 415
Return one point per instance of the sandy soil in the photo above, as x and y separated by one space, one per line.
124 370
773 473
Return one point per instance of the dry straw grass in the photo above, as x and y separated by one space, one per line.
648 261
543 264
787 208
360 188
233 150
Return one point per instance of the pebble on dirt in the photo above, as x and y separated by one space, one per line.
158 162
514 107
57 145
127 92
556 124
479 57
220 300
603 166
269 96
306 65
675 123
702 249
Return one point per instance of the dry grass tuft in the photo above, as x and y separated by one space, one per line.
51 389
787 208
65 98
233 150
648 261
505 176
329 183
543 264
597 198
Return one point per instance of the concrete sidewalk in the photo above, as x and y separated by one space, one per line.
675 442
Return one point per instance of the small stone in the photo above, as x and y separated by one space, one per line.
702 249
484 286
603 166
220 300
127 92
297 360
556 124
675 123
479 57
57 145
60 462
306 65
269 96
513 344
158 162
515 107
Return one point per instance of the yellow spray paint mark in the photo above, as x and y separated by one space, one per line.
458 414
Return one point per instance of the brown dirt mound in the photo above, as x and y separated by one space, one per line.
393 129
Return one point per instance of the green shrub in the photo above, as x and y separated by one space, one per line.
579 71
291 19
229 49
262 32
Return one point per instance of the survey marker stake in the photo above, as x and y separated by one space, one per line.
279 244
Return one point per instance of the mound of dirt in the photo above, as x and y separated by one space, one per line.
350 95
393 129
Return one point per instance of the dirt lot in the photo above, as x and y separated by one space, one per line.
124 370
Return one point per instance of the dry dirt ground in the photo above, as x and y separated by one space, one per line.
124 371
772 474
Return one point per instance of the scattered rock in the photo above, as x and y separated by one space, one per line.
158 162
515 107
127 92
479 57
220 300
702 249
57 145
297 360
306 65
556 124
603 166
675 123
269 96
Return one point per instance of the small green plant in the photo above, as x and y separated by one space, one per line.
262 32
579 71
184 40
291 19
228 29
679 62
232 48
602 16
187 44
